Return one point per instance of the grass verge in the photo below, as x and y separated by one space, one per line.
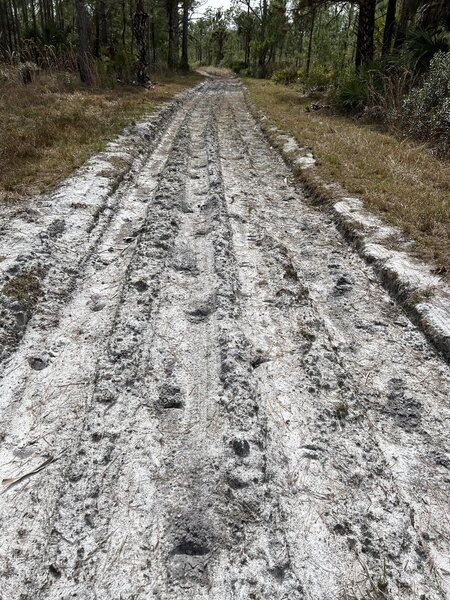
50 127
400 180
216 71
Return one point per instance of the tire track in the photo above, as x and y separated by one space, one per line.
47 254
62 415
329 372
237 409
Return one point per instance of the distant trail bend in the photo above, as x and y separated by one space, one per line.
219 400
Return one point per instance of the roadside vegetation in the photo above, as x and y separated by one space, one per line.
73 73
51 126
400 180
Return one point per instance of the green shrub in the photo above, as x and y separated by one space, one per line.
421 46
119 68
425 112
319 78
352 93
238 66
285 76
246 72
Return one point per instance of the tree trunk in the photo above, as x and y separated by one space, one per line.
25 14
8 27
308 58
153 42
184 42
200 51
97 31
366 27
60 13
16 23
13 41
389 27
176 33
83 34
47 12
172 16
299 49
407 12
124 23
41 15
247 40
247 49
51 11
103 19
132 28
140 22
262 39
33 16
347 35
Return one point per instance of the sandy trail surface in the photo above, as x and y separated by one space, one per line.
206 393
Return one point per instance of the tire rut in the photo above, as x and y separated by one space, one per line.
373 541
50 432
234 407
56 245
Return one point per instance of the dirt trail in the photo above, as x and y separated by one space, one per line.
230 405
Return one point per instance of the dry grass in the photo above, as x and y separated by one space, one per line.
217 71
400 180
50 127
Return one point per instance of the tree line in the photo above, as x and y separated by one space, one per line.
130 37
124 35
261 35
